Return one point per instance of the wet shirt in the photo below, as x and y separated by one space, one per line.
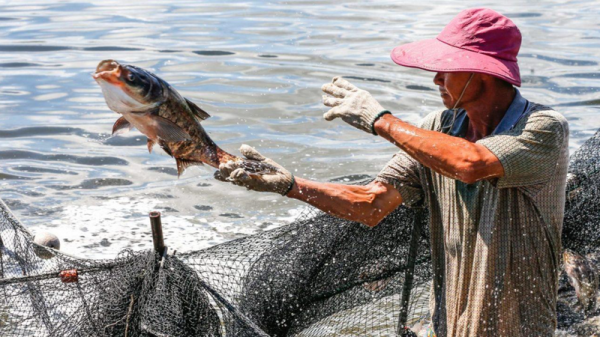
495 244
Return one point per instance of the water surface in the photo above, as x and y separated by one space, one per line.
257 67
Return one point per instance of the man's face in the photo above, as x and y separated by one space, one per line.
451 86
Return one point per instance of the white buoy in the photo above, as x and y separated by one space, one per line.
47 240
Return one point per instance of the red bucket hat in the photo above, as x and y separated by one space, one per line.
477 40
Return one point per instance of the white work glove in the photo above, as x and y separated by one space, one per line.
280 182
355 106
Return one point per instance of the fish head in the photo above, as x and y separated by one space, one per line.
127 88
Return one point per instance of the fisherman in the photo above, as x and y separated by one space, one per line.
491 169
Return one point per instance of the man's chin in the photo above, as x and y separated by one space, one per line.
447 104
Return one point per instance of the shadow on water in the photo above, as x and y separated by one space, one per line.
582 75
109 48
368 79
419 88
6 176
41 131
213 52
523 15
32 169
83 160
565 62
231 215
32 48
20 65
92 184
167 170
47 48
581 103
203 207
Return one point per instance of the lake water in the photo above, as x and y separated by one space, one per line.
257 67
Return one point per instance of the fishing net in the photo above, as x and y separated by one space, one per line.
318 276
581 232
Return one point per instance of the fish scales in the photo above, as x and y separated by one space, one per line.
152 106
201 146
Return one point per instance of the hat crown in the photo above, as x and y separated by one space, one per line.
483 31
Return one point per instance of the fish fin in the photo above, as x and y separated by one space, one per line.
163 145
199 113
182 164
121 126
150 145
169 131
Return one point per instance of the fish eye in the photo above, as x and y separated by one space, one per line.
130 77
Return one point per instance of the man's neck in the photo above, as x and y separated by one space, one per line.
485 116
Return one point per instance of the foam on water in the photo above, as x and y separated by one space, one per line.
107 227
257 67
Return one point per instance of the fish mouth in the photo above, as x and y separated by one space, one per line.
109 71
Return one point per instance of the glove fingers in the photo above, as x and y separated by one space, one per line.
227 168
239 177
342 83
219 176
251 153
331 101
332 114
334 90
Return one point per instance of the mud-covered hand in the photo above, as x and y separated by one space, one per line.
354 106
279 182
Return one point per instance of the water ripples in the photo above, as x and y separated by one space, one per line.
257 67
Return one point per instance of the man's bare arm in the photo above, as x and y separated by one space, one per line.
453 157
367 204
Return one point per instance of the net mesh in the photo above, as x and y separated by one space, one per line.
318 276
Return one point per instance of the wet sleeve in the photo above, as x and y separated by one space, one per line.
529 152
402 172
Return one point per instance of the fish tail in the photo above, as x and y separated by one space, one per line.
223 156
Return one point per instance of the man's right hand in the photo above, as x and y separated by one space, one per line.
280 182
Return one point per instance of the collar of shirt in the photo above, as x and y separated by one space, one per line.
515 111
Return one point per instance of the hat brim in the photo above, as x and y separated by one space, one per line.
435 55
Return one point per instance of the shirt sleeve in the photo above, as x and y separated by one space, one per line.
530 151
402 171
